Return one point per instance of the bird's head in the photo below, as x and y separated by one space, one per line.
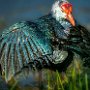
62 9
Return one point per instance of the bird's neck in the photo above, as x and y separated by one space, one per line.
65 23
59 16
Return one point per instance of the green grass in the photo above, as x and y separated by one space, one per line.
76 77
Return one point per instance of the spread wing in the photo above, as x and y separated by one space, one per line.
21 44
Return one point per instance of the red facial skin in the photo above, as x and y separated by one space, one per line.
67 8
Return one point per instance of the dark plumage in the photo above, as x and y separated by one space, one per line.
43 43
29 43
80 43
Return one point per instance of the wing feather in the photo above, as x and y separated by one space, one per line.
6 51
19 45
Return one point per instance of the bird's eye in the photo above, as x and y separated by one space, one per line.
62 10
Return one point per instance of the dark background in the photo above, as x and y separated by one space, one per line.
12 11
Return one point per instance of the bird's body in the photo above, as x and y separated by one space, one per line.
30 43
47 42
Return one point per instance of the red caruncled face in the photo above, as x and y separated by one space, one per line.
67 8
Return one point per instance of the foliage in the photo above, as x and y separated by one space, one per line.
76 77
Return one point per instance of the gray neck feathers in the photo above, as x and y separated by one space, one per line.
59 15
65 23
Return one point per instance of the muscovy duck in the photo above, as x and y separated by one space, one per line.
47 42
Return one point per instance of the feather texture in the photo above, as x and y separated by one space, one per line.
43 43
22 44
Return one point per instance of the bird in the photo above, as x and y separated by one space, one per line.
50 41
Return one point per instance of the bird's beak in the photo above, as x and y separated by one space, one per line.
71 19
